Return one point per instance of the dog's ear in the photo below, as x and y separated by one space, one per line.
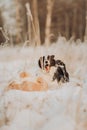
39 62
48 57
52 56
52 60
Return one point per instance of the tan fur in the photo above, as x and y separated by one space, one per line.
39 85
24 75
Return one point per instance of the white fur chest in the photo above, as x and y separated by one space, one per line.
52 71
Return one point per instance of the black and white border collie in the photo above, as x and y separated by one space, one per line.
60 74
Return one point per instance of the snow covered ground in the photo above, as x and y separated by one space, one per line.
61 107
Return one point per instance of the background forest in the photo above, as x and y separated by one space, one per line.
50 19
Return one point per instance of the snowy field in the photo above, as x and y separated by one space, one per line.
61 107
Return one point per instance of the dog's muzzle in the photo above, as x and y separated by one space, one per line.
47 67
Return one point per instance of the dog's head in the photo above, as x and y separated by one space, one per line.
58 69
46 62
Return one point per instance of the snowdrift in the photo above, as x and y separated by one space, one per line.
56 106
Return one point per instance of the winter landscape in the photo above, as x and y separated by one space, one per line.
29 98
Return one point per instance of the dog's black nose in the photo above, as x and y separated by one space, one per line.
46 62
46 65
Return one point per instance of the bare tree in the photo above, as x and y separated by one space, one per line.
74 23
48 21
85 37
18 22
29 19
33 23
2 37
67 25
36 21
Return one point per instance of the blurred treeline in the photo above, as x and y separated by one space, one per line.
53 17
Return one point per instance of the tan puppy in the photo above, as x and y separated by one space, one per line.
39 85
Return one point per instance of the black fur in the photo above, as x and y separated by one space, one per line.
41 60
39 63
52 60
61 75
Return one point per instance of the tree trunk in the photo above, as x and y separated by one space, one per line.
85 38
2 37
48 21
74 26
29 23
18 23
36 22
67 25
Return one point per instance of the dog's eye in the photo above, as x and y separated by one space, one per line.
46 62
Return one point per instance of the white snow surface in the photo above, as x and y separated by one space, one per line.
61 107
